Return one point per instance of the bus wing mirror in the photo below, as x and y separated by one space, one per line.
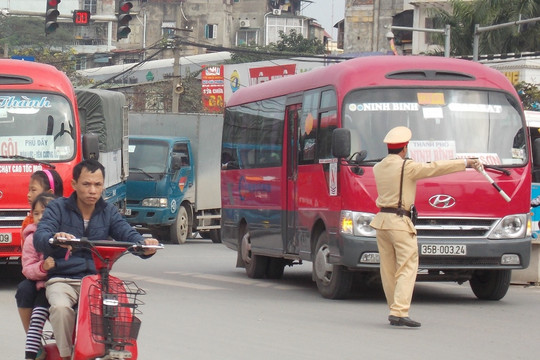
341 143
90 145
176 162
536 152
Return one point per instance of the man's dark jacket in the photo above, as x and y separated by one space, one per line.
63 215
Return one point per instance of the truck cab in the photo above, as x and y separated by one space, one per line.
160 185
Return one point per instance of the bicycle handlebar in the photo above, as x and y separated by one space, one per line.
110 243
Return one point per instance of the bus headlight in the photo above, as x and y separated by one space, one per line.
154 202
356 223
510 227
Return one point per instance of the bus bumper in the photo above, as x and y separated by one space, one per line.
10 244
358 253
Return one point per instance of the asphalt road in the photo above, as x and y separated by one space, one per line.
199 306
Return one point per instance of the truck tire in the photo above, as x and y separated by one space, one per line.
275 269
255 264
490 284
215 236
180 228
333 281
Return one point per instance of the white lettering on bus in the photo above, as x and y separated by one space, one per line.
484 108
384 107
24 102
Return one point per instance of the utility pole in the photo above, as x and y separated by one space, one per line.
177 81
177 88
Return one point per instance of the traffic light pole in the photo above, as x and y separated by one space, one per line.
96 18
478 30
446 32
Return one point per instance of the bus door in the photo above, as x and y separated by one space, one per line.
291 238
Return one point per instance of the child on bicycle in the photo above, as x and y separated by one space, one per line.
35 269
42 181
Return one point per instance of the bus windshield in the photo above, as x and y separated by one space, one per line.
39 126
445 124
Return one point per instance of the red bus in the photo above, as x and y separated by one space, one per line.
39 129
293 189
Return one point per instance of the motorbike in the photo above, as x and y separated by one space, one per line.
107 322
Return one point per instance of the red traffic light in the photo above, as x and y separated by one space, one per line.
53 3
125 6
123 30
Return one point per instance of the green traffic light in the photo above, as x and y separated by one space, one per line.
123 32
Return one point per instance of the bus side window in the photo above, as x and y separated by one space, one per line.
307 131
327 123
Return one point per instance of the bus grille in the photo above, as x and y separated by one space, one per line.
11 218
10 249
454 227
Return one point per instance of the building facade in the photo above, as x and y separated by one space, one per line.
199 24
368 23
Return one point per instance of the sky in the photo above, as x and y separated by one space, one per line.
326 12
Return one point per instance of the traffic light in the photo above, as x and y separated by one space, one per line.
51 16
123 30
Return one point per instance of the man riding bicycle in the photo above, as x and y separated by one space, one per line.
83 214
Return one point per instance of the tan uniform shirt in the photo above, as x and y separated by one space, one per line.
387 177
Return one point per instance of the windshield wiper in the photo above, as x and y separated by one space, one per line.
29 159
141 170
360 158
496 168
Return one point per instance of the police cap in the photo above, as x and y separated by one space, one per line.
398 137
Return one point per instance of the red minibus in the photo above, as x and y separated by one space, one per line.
293 189
39 129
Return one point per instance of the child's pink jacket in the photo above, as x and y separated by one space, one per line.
32 261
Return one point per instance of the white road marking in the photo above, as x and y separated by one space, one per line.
218 278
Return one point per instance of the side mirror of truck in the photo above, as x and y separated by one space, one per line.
176 162
90 146
341 143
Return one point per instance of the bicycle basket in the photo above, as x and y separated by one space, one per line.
113 313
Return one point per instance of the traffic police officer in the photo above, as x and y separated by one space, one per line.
396 235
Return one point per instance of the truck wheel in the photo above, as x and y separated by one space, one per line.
490 284
255 264
180 227
333 281
275 268
215 236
